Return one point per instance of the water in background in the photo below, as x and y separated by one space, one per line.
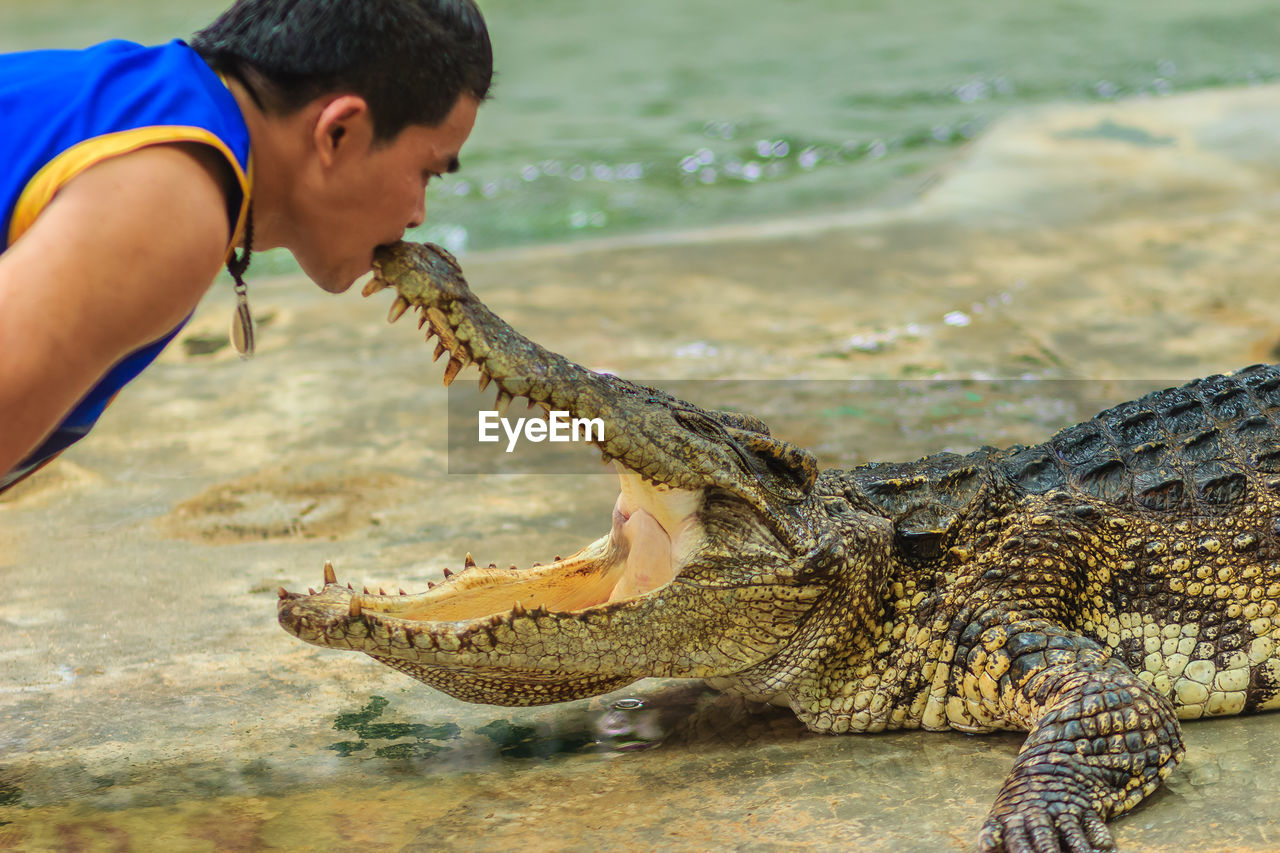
614 117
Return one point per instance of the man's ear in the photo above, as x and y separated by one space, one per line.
343 126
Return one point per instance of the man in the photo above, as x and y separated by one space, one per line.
130 173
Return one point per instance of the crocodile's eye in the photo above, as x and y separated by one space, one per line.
837 507
699 423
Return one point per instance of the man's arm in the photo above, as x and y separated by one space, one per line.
123 252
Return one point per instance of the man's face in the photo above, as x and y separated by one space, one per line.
369 193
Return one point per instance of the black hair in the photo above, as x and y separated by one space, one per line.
409 59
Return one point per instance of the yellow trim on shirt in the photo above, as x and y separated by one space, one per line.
55 174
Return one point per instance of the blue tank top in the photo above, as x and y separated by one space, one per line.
65 110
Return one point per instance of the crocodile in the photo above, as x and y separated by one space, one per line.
1093 590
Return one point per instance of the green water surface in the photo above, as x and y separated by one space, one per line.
613 117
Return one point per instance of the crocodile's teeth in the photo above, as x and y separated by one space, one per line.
330 576
448 573
470 561
485 379
282 592
451 371
356 605
439 322
502 403
372 286
311 590
441 349
398 308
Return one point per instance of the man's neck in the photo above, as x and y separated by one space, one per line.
275 148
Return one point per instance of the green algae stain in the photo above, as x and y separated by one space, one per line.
371 711
408 750
362 724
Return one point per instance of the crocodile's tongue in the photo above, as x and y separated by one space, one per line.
649 562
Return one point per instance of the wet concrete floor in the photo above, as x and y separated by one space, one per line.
1072 258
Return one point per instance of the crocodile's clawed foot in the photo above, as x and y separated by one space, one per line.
1057 827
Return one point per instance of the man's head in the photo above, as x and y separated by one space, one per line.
380 95
408 59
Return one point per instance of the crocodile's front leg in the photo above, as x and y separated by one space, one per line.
1099 739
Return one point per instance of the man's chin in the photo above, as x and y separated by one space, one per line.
335 285
334 280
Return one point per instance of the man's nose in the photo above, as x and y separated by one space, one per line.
419 213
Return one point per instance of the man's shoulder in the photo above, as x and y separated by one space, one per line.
66 96
147 230
162 187
101 70
71 110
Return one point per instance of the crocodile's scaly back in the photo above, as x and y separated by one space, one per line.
1089 590
1207 448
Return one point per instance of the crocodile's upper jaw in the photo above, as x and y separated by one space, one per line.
653 596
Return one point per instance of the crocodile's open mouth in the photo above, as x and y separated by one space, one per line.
623 606
653 531
654 526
